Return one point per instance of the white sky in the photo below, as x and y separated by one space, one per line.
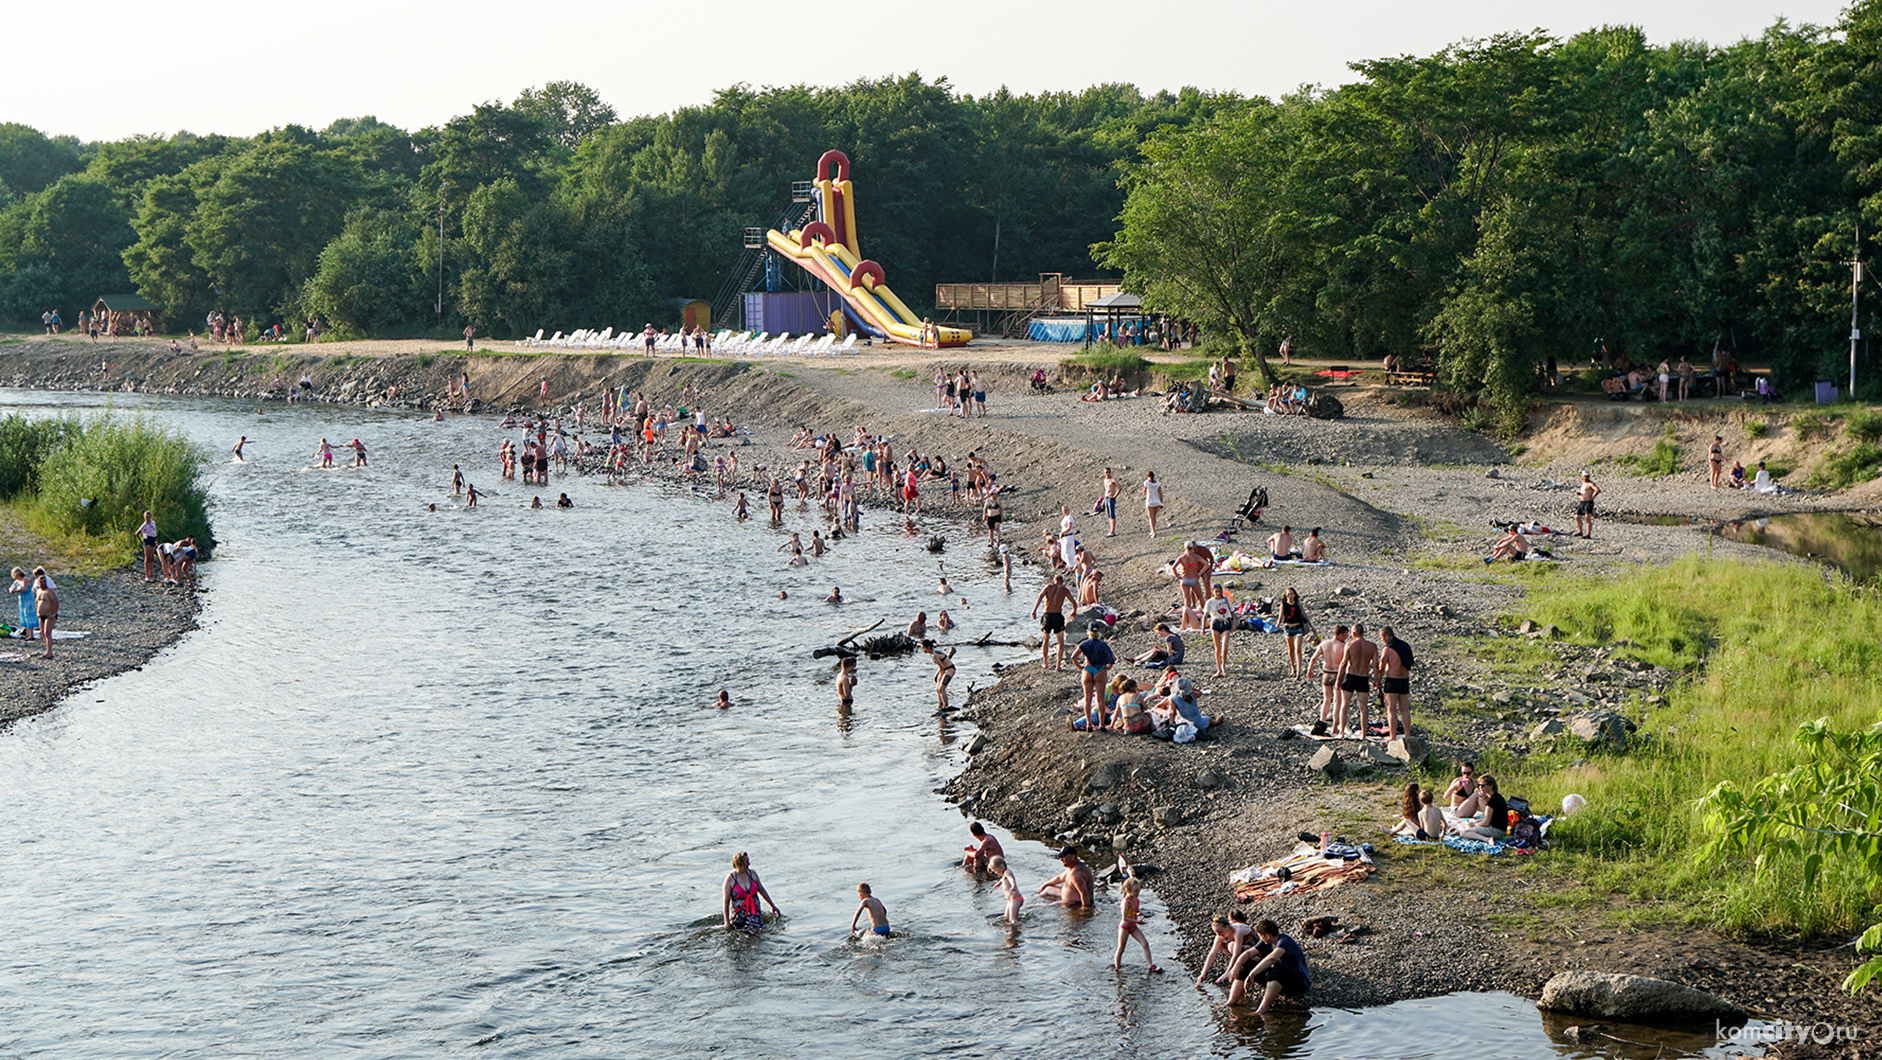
132 66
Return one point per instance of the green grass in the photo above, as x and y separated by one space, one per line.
91 485
1664 460
1764 647
902 373
1810 425
1756 429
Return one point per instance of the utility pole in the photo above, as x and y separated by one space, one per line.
1855 286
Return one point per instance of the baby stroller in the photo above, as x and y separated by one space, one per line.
1249 512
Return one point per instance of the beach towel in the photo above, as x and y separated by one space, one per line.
1472 846
1308 871
1413 841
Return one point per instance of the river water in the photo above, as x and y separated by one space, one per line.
450 783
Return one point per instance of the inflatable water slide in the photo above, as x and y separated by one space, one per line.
827 248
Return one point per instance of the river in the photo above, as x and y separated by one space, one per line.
450 783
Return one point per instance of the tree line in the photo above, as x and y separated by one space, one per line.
550 211
1510 200
1493 205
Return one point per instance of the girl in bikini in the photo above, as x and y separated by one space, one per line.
1128 928
944 671
741 894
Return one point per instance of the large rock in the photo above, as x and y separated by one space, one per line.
1408 749
1632 999
1548 730
1106 775
1324 406
1603 730
1328 763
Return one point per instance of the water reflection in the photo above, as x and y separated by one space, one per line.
1852 542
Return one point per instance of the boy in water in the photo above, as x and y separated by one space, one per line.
878 916
1008 887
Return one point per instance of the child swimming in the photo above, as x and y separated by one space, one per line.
878 915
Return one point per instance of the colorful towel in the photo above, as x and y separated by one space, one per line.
1413 842
1472 846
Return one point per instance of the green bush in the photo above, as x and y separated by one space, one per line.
24 444
107 472
1475 419
1864 426
1757 429
1847 468
1810 424
1664 460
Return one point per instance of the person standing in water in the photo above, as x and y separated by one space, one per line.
1128 926
457 482
325 453
740 896
359 452
1009 887
943 671
845 685
237 449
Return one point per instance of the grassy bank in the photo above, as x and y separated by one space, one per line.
1764 646
84 484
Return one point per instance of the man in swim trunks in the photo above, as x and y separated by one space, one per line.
984 849
1054 597
1281 543
1395 663
1584 507
1330 654
1356 673
1071 888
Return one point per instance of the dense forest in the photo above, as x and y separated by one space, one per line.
1497 202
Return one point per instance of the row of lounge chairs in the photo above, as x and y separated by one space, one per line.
723 344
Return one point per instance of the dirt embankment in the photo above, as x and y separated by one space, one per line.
1405 499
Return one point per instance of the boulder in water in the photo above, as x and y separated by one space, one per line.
1632 999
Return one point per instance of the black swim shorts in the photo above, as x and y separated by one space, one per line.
1291 983
1584 508
1398 686
1355 683
1222 625
1053 622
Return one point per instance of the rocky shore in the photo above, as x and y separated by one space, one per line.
1406 499
128 623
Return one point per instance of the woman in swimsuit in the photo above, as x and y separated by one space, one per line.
1153 500
1221 621
1128 928
991 513
46 600
741 893
943 671
148 532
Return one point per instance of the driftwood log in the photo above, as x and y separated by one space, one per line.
897 643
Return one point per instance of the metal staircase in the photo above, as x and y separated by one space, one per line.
752 260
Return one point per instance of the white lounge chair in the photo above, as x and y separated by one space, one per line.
849 343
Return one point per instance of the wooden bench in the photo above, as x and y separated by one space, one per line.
1410 378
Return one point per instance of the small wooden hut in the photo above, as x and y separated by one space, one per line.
125 314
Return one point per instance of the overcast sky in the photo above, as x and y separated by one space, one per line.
130 66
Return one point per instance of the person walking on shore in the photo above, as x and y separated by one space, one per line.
1294 626
470 338
1054 597
1110 488
1153 500
1584 507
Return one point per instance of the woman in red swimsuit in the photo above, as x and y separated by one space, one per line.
741 893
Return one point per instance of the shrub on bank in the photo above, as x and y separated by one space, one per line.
95 479
1764 647
24 446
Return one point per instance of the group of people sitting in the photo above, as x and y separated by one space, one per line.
1164 711
1114 387
1286 399
1478 811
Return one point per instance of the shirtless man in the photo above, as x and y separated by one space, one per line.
1715 458
239 458
1071 888
1584 507
1206 571
984 849
1281 543
1513 546
1313 550
457 482
1330 655
1395 665
1053 597
1108 497
1356 673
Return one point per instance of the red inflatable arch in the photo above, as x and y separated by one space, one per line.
839 159
813 229
867 267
